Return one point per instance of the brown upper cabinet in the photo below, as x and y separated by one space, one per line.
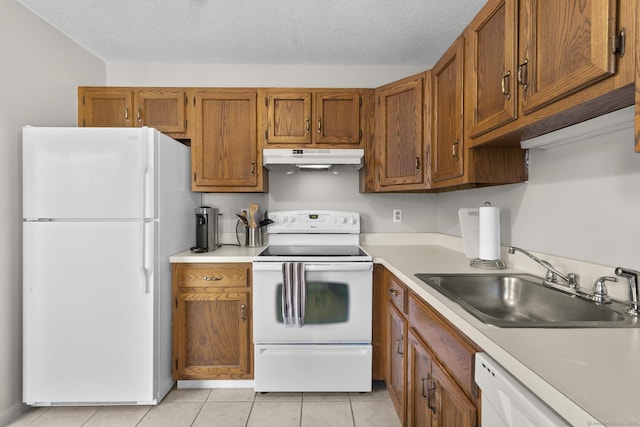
165 109
492 45
224 147
304 117
447 145
536 66
564 47
402 159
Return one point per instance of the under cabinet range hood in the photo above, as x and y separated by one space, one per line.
310 159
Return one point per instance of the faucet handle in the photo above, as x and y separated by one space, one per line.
600 293
632 277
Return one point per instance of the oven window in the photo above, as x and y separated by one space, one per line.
327 302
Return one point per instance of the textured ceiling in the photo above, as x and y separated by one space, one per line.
346 32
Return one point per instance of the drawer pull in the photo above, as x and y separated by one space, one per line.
243 315
211 278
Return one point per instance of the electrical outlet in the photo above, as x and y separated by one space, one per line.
397 215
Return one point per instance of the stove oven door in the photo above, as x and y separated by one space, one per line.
338 304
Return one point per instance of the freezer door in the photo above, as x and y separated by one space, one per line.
88 313
89 173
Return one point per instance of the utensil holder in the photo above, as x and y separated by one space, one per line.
253 237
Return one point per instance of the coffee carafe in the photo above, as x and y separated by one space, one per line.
207 229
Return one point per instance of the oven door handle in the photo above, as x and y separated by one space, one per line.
350 266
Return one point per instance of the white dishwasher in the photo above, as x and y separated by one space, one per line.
508 403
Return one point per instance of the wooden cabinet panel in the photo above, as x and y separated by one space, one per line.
452 407
212 336
105 107
289 117
397 292
565 46
492 63
453 351
419 361
225 156
199 275
397 372
401 149
448 137
337 117
637 85
297 117
379 323
163 109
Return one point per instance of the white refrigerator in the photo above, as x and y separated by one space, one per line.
103 209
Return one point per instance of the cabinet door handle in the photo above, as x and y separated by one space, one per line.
126 114
399 345
523 77
319 126
454 149
253 168
211 278
425 390
417 163
139 113
505 86
431 391
393 292
242 312
307 126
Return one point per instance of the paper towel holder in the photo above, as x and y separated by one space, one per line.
493 264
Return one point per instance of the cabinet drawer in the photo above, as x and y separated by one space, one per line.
452 349
193 275
397 292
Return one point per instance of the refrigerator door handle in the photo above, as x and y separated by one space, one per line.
149 190
148 253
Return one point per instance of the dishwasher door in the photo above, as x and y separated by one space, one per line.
508 403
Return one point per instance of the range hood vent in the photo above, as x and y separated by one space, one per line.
309 159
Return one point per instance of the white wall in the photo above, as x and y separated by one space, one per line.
40 72
582 201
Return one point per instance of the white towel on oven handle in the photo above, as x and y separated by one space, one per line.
294 294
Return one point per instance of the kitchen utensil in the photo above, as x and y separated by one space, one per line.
251 218
264 222
243 218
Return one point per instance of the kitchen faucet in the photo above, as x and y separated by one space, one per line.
552 274
632 277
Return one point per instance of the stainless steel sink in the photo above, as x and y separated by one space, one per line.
523 301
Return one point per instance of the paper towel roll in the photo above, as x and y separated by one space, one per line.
489 233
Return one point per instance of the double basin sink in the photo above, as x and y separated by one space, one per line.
523 301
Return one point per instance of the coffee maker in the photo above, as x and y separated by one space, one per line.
207 229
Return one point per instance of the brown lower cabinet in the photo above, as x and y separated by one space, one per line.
429 363
212 321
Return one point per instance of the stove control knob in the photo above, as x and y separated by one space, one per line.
283 219
292 219
343 220
353 220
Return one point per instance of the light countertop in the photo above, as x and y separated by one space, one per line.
589 376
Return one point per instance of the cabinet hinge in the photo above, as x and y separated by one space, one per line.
82 99
266 101
176 302
186 100
378 100
360 134
194 101
360 100
619 42
194 177
176 364
266 134
186 124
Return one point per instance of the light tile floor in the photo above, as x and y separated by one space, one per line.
230 408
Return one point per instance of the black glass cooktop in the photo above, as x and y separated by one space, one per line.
312 251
